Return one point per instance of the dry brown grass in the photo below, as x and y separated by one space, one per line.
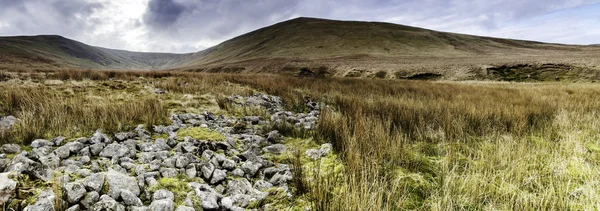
406 144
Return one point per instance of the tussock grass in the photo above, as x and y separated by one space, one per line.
404 144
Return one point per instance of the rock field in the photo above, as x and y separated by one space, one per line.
228 168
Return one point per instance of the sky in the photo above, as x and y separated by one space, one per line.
182 26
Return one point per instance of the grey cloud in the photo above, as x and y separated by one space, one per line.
162 13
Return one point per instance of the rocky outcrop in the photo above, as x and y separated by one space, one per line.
121 171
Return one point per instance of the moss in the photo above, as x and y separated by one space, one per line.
178 185
279 200
201 134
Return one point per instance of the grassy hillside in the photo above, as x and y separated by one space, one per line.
364 48
56 51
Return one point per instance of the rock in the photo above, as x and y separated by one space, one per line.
252 119
207 170
95 149
251 154
94 182
45 202
274 137
191 171
51 161
218 176
4 164
41 152
182 162
162 205
7 122
280 179
150 181
184 208
250 167
11 148
107 203
208 196
169 172
228 164
7 188
139 208
313 154
124 136
75 191
41 143
74 147
71 169
163 194
237 172
115 150
62 152
316 154
90 199
158 91
74 208
58 140
129 199
275 149
142 132
118 182
242 200
262 185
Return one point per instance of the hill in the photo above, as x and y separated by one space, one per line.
351 48
51 51
336 48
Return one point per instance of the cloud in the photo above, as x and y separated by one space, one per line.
162 14
193 25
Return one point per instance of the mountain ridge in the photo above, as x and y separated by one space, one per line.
341 48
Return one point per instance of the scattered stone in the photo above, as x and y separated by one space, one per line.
74 208
184 208
41 143
90 199
250 167
7 188
274 137
163 194
94 182
275 149
7 122
115 150
10 148
75 191
130 199
218 176
45 202
158 91
162 205
118 182
107 203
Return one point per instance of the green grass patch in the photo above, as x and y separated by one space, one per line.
201 134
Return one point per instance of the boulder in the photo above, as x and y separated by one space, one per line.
95 149
184 208
75 191
107 203
7 122
130 199
7 188
90 199
162 205
74 208
250 167
163 194
115 150
45 202
169 172
94 182
274 137
10 148
275 149
124 136
218 176
41 143
118 182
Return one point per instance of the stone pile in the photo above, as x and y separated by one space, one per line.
119 172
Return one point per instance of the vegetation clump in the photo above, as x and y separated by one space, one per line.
201 133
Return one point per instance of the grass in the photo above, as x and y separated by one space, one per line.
201 134
397 144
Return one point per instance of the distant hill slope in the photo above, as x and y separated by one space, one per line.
363 48
57 51
338 48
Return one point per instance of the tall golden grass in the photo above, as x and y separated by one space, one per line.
405 144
